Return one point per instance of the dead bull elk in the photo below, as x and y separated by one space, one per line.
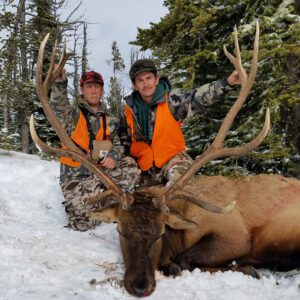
171 229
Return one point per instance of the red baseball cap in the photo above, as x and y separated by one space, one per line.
91 76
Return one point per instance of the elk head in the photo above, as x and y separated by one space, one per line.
142 229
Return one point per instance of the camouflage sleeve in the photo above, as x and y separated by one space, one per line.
186 103
124 133
60 104
118 150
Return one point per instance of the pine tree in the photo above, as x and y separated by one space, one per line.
114 97
8 136
25 25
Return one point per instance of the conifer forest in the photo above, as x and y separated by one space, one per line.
187 45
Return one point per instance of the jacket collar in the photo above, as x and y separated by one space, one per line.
81 103
130 99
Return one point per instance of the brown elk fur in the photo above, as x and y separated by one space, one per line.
263 222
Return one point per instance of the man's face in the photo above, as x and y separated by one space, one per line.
92 92
145 83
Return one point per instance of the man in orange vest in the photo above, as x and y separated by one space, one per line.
150 125
86 121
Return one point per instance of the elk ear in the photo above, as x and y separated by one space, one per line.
176 221
107 215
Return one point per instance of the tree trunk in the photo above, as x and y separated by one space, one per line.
296 129
5 111
75 78
84 65
23 50
25 135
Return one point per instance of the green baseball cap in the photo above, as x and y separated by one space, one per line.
140 66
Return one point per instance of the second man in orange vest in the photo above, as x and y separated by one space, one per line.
150 125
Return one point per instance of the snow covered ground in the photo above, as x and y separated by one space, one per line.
41 259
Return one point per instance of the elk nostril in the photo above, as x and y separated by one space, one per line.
140 288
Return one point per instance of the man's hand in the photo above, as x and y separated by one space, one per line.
233 78
108 163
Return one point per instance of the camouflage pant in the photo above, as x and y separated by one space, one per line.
175 167
171 171
126 174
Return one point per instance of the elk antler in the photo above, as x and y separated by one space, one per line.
161 203
216 149
72 151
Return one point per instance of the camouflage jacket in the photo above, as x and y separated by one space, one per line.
68 113
182 103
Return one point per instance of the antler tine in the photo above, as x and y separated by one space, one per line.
236 61
43 96
55 71
216 149
248 147
162 203
48 79
239 65
63 59
203 204
253 67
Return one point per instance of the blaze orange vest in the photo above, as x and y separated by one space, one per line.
81 137
167 139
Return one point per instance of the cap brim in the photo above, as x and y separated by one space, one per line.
143 71
95 81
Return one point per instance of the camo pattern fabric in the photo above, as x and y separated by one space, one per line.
126 174
182 103
187 103
176 167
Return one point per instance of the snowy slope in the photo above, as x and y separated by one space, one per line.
41 259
